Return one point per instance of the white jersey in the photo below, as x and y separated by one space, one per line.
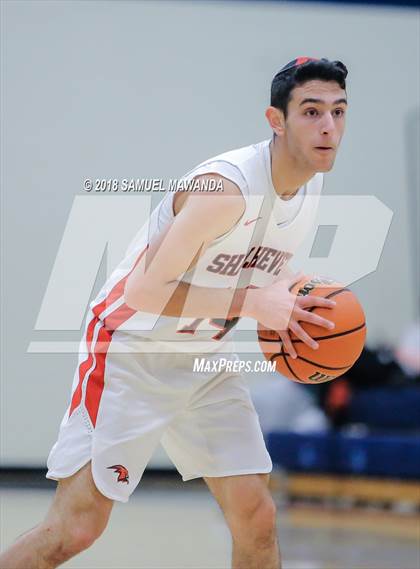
257 247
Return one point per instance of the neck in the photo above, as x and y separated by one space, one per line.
286 174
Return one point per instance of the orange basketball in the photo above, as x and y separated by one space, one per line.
338 348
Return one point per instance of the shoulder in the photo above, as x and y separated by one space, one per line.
210 200
210 215
231 160
244 153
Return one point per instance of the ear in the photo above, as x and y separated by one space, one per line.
276 120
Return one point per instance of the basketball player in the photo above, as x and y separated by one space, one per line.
200 264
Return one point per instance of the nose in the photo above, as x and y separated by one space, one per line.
327 125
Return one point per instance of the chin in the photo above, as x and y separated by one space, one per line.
324 166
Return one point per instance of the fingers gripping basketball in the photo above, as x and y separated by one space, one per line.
338 348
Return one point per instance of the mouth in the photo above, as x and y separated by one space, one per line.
324 149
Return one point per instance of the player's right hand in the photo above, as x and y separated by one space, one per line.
276 308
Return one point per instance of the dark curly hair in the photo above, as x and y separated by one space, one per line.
294 74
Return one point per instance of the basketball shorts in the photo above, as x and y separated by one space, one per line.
124 404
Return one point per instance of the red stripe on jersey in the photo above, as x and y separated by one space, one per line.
116 292
118 317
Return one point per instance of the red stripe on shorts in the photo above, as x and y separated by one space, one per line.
96 381
114 320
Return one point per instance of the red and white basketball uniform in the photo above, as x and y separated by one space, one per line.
126 398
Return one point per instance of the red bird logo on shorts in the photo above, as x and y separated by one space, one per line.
121 471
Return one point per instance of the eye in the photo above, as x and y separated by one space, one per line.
339 112
311 112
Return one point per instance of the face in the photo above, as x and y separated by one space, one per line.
315 124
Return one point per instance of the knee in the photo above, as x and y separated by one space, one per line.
81 537
263 520
256 521
73 536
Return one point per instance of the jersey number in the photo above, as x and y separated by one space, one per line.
222 324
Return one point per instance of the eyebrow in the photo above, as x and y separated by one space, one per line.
320 101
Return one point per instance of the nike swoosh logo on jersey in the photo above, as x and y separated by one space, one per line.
249 221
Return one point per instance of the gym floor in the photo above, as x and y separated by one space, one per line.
168 524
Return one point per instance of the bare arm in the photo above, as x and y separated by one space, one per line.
153 285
